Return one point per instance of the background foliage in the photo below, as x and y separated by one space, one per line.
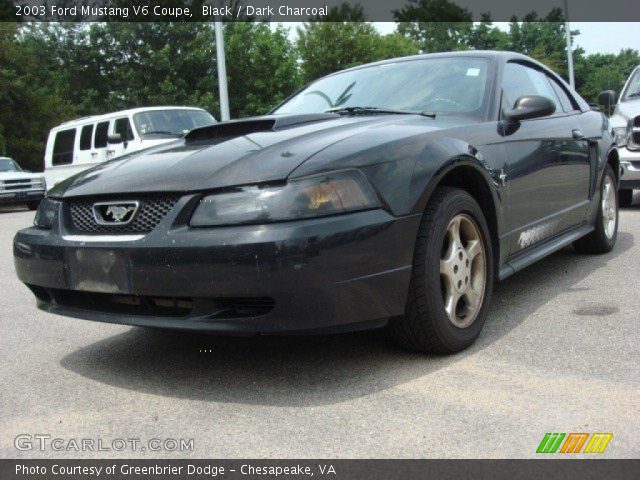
50 73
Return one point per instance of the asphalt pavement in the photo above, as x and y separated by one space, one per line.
559 353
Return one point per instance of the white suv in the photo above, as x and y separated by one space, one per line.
18 186
625 125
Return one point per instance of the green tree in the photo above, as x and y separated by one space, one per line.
395 45
542 38
485 36
261 66
28 109
436 25
327 47
598 72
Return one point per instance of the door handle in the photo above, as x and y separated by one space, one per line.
577 134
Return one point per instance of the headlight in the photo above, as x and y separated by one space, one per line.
621 136
46 214
317 196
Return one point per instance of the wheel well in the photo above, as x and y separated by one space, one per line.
614 161
471 180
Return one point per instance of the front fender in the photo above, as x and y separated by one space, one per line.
403 163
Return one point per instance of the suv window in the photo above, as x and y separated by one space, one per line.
519 80
123 127
633 88
63 147
102 132
568 104
85 137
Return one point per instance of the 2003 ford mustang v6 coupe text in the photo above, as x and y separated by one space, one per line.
388 194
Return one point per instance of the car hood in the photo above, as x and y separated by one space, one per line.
18 175
253 150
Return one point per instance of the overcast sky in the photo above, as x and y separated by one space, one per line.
595 37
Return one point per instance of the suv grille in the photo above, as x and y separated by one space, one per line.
150 213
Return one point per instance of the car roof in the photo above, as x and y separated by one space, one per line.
492 54
130 111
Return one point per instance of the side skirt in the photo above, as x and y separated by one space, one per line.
519 261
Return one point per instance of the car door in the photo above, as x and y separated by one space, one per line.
548 167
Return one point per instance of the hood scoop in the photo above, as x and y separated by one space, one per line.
222 131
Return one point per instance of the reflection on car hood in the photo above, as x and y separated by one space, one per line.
261 149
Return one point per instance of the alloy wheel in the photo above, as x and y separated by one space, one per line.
609 210
463 271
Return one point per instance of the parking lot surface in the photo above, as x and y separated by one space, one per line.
560 352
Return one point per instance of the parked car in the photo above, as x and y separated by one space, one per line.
83 143
625 127
390 194
18 186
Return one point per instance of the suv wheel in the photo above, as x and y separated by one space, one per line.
452 277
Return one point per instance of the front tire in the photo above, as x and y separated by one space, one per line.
625 198
603 238
33 204
452 277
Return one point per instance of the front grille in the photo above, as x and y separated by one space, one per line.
635 138
205 308
21 184
636 121
152 209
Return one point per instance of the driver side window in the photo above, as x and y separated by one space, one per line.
519 80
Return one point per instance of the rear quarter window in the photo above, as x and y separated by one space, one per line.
568 104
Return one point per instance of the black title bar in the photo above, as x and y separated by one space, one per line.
316 10
317 469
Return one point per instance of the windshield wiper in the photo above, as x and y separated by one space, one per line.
634 94
365 110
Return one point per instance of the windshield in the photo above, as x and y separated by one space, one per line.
174 122
8 165
633 89
449 86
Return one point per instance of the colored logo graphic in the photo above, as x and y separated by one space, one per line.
574 442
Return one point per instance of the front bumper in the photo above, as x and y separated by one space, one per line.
327 274
630 165
13 197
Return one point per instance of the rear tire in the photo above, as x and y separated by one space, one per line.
452 277
625 198
33 204
603 238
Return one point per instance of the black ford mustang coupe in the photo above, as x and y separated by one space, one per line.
390 194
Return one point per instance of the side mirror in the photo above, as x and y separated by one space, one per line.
530 106
607 100
114 138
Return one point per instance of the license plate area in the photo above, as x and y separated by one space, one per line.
98 270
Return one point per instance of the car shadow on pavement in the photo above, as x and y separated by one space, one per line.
314 370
